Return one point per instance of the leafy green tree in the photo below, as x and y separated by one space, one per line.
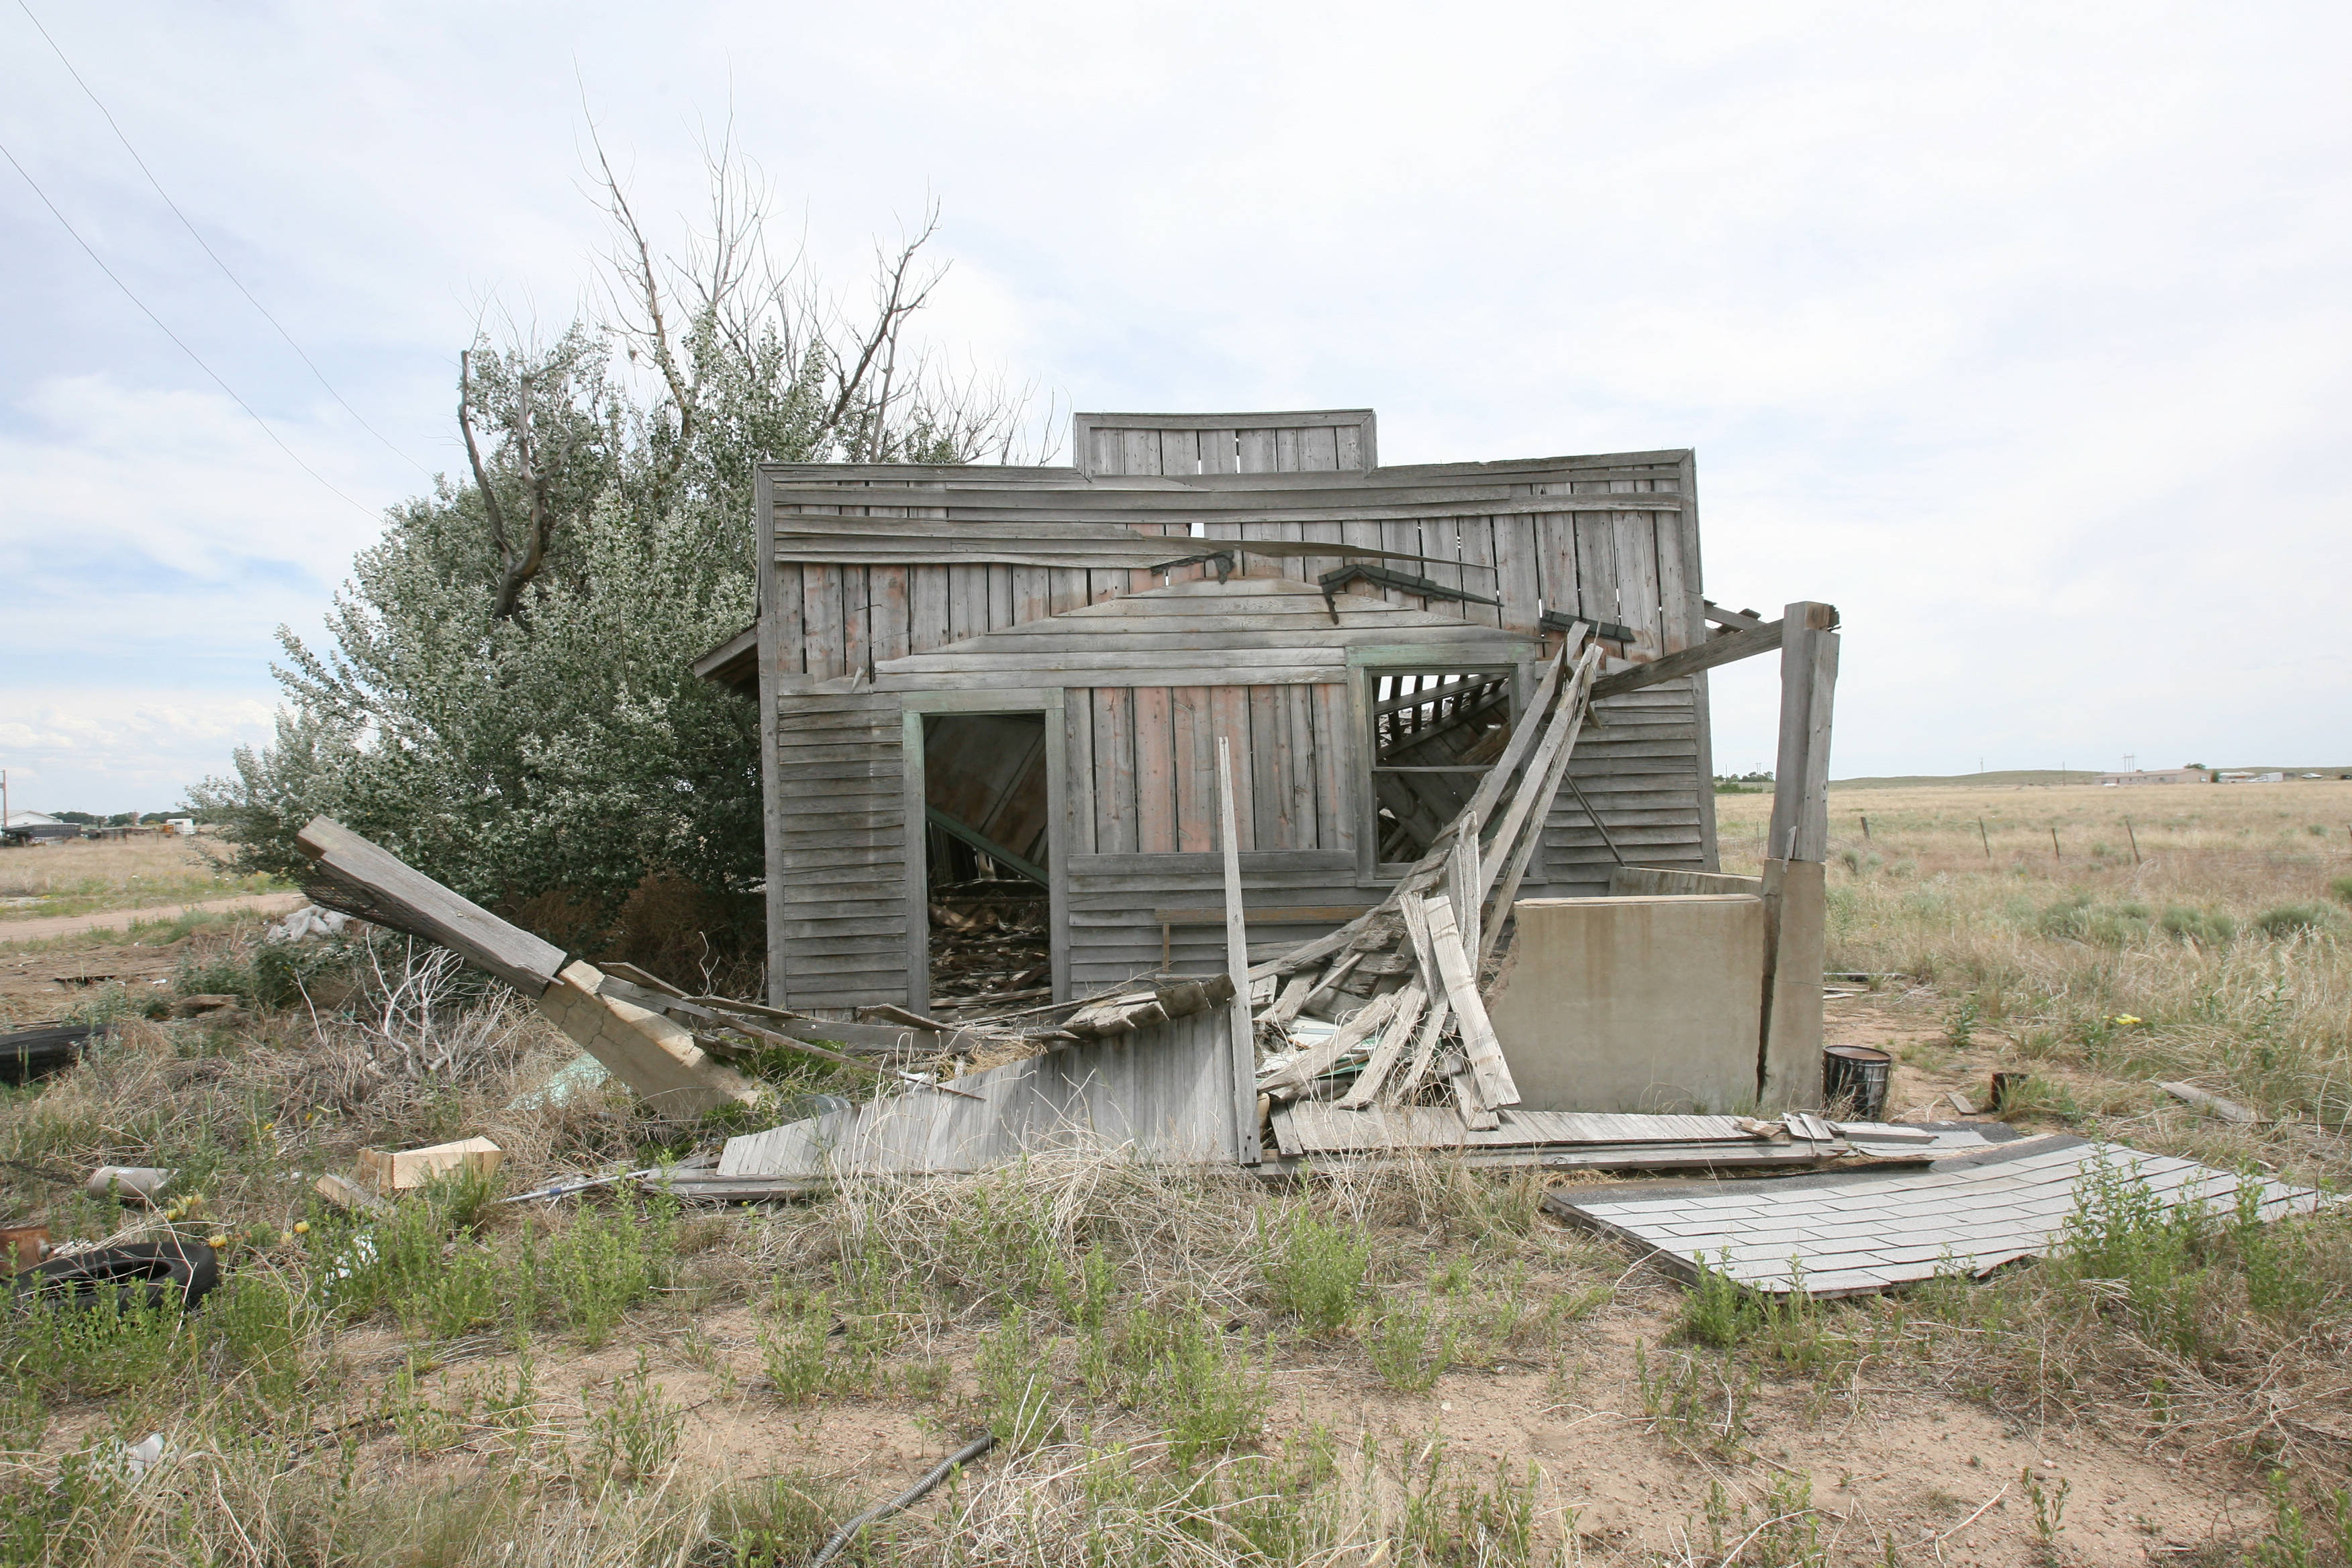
504 698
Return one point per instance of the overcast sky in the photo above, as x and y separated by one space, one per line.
2017 332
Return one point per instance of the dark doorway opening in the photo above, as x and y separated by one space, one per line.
988 850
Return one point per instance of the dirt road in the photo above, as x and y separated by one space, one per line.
42 929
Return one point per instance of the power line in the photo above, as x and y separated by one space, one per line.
168 333
209 250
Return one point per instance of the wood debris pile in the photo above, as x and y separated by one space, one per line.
1399 985
990 946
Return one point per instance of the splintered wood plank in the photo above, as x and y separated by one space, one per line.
1674 629
1115 803
1304 1069
1269 747
856 619
1078 785
429 908
889 618
1555 551
1596 567
1637 579
1478 549
1295 992
1455 972
1229 719
926 609
1334 767
1463 1082
828 653
1033 594
1155 771
967 602
1424 1049
1465 888
1518 581
1180 452
1395 1036
1194 765
1299 753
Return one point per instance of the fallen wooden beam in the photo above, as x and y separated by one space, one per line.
1691 660
2207 1101
1009 859
379 887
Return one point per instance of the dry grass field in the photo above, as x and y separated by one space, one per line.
1182 1369
81 876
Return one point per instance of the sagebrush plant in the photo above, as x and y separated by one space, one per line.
505 698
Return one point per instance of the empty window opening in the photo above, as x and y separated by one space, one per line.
1434 735
987 849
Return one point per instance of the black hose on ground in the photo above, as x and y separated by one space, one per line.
907 1499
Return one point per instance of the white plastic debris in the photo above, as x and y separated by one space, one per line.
310 922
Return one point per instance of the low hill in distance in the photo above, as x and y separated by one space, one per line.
2047 778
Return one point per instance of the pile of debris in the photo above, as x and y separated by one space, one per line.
1388 1010
990 946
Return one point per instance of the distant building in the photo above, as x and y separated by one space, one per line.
2159 776
2249 778
36 828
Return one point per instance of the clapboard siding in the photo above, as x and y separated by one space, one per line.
885 574
1161 1095
839 881
1113 936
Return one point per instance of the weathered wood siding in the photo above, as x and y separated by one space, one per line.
1161 1095
1143 767
875 572
1113 936
838 876
1636 768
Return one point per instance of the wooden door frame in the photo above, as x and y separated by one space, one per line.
919 705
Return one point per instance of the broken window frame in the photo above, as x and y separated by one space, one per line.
1368 679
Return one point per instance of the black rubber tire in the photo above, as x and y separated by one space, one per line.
175 1273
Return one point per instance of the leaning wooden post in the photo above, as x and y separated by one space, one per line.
1788 1055
1245 1027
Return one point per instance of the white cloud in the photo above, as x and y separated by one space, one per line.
107 750
2014 330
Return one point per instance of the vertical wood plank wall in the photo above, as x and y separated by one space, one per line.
1139 794
839 874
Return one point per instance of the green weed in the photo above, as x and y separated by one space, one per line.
778 1522
636 1435
1316 1271
1410 1345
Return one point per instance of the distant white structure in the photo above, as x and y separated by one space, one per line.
185 827
2249 778
2158 776
35 828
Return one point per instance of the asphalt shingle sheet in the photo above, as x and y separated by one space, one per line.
1849 1233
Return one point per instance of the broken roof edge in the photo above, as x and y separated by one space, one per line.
734 663
1064 474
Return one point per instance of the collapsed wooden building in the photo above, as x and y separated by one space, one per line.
1006 689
